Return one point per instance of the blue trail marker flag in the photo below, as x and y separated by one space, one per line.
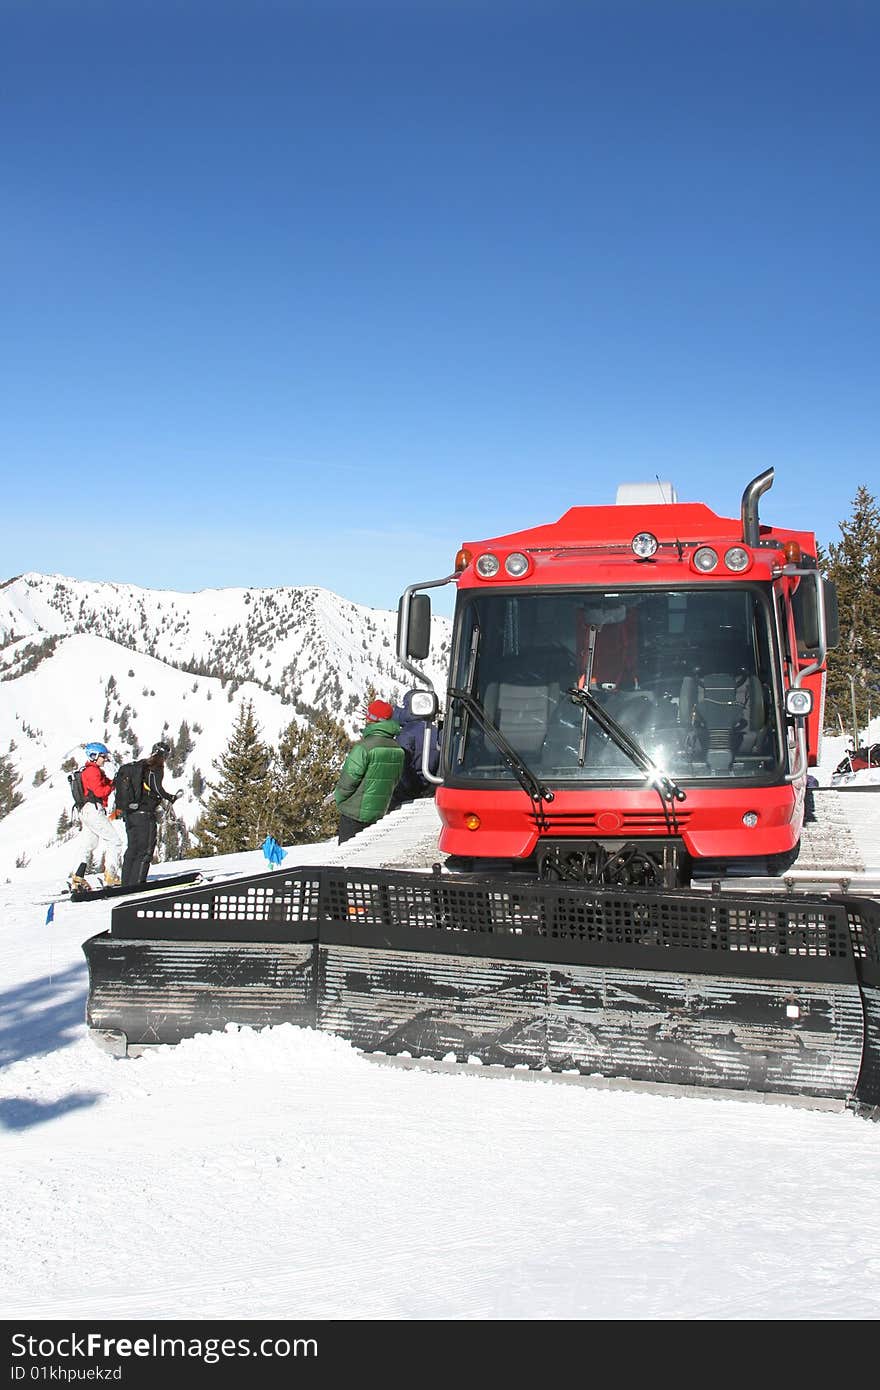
273 851
50 915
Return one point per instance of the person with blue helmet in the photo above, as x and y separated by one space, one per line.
97 828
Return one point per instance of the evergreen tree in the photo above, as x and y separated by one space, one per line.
173 840
854 565
305 771
181 747
370 694
236 816
9 780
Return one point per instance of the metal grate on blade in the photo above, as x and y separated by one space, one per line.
412 906
668 920
280 900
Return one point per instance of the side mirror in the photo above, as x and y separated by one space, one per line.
414 627
805 606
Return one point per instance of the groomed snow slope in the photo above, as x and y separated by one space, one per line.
281 1174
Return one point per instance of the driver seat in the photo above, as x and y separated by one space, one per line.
726 714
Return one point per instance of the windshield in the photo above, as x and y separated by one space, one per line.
688 674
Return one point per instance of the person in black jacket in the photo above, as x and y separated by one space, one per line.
141 822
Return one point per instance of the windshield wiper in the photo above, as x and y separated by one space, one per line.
521 770
669 790
588 676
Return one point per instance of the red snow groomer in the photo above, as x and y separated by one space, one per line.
636 693
635 697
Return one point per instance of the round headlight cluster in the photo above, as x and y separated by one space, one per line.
737 559
645 545
516 565
705 559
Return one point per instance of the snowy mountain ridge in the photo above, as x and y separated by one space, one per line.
307 644
84 660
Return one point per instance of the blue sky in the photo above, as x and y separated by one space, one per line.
309 292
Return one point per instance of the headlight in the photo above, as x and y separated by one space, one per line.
645 545
798 702
705 559
737 559
487 566
423 704
516 565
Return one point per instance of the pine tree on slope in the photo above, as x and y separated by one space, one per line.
173 840
305 772
854 565
236 816
370 694
181 748
9 780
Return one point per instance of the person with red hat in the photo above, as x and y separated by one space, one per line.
370 772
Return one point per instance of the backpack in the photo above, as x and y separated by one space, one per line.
77 790
128 787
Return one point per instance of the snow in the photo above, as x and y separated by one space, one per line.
62 704
835 748
288 637
278 1174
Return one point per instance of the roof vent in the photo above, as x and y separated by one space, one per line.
645 494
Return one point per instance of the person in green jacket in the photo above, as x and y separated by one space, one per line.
370 772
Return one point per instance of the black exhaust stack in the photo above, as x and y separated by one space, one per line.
751 527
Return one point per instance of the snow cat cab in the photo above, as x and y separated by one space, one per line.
636 693
634 700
